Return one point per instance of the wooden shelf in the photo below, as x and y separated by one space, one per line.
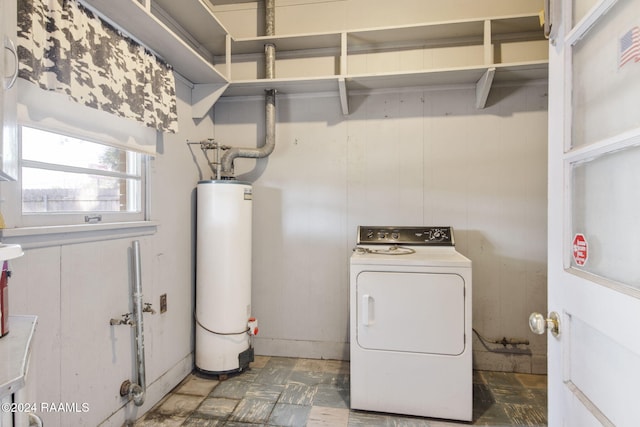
442 77
522 72
487 36
477 51
283 86
528 71
522 26
428 34
203 26
368 82
287 43
140 23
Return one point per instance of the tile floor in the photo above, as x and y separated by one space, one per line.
280 391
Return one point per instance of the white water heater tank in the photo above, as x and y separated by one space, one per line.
223 277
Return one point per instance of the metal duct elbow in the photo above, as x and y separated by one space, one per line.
226 162
255 153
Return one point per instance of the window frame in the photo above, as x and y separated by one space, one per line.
77 218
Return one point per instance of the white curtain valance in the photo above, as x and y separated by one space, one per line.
56 112
66 48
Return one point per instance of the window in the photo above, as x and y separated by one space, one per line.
68 180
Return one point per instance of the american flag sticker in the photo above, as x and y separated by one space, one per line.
630 47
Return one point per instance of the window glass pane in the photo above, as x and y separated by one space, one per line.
43 146
55 191
605 202
62 174
606 76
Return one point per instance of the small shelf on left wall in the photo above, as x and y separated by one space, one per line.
138 20
190 53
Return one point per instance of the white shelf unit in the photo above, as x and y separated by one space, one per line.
479 51
190 38
143 22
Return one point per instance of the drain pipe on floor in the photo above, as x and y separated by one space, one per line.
270 100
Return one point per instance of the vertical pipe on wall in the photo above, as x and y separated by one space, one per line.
269 61
135 391
270 138
226 163
270 17
270 30
138 395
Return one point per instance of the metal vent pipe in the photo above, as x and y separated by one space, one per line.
256 153
270 17
270 30
226 162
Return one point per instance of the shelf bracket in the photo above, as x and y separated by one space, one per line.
344 98
488 47
204 95
483 86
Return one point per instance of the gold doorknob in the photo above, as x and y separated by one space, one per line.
538 324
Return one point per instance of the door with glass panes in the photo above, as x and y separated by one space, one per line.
594 214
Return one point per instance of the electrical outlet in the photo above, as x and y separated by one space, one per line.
163 303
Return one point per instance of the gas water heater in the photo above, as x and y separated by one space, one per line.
224 325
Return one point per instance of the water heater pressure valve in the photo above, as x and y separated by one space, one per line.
253 326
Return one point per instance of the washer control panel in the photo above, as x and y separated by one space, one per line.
422 235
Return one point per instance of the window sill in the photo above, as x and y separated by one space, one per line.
40 237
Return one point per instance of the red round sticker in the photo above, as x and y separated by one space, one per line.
580 250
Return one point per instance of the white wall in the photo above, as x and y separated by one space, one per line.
75 289
401 158
415 157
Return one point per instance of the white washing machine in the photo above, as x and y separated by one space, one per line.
410 316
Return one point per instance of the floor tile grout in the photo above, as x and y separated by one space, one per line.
283 392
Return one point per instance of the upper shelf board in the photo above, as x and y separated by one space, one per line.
444 32
282 86
200 21
522 72
526 71
286 43
415 79
525 24
432 33
427 34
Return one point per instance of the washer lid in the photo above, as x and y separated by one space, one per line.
443 256
223 181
